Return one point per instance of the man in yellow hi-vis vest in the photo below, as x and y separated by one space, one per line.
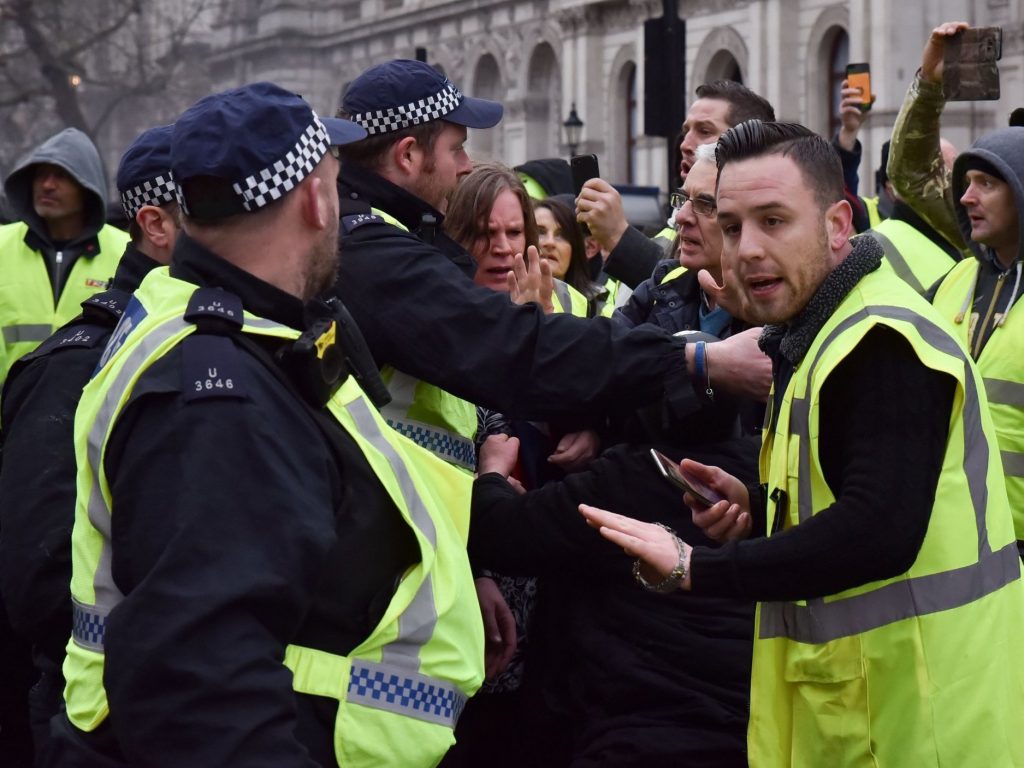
880 544
264 574
60 252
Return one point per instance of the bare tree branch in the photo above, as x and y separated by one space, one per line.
100 35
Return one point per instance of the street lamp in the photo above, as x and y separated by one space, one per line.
573 129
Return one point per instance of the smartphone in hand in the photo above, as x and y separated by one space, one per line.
859 76
969 71
584 168
670 471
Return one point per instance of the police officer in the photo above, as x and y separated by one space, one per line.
264 574
410 289
40 394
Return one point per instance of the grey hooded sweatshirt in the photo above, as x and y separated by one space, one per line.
73 151
1000 153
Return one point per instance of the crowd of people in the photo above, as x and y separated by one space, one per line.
346 452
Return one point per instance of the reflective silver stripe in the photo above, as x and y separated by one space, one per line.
16 333
562 293
799 424
1004 392
909 597
416 623
1013 463
827 621
976 454
395 689
259 322
899 264
107 593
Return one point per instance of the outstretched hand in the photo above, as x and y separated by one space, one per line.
652 544
531 280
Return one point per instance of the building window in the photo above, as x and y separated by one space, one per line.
838 58
723 66
632 123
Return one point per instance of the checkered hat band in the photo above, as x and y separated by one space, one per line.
423 111
282 177
152 192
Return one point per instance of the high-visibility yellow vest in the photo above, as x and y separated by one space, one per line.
533 187
28 313
666 238
567 300
871 206
914 257
923 669
673 274
609 302
401 690
434 419
1001 364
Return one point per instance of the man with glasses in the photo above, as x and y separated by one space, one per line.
673 299
631 257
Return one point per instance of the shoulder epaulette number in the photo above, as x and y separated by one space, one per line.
353 222
211 368
107 306
79 335
208 304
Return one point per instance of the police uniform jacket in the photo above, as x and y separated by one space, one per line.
673 302
240 528
413 299
37 479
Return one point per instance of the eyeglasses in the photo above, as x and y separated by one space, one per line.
701 205
335 152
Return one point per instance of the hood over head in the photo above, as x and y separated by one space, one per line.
1000 153
73 151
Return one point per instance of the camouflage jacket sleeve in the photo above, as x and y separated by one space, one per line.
915 168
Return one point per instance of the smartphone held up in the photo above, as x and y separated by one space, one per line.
859 76
969 70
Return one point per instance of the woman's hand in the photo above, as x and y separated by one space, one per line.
531 280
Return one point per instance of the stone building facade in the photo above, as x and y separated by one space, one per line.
539 57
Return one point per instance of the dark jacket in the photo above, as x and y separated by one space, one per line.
634 258
420 312
695 418
625 677
301 545
38 488
37 478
